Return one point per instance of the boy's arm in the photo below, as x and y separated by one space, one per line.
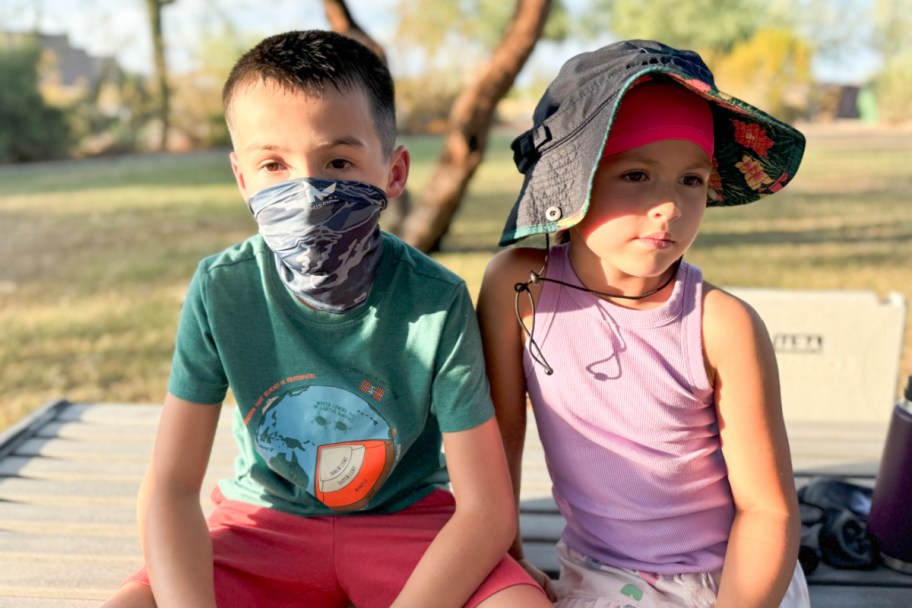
502 344
476 537
175 539
763 543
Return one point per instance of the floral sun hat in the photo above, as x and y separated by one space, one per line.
755 154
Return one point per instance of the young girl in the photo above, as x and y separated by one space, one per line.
656 394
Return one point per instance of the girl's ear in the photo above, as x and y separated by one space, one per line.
398 172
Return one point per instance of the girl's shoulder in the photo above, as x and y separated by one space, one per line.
515 265
504 276
723 308
724 316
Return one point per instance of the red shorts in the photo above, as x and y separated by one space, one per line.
264 557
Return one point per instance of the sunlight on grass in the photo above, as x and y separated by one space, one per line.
98 253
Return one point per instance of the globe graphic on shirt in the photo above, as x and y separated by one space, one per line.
329 441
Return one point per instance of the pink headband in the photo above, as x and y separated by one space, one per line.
655 111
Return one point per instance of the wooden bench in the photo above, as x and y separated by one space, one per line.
69 476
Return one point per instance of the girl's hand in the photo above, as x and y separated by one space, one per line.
543 580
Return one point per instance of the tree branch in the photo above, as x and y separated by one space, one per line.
469 122
341 21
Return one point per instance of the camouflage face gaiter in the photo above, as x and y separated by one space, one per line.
325 237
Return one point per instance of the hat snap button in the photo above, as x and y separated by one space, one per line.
553 214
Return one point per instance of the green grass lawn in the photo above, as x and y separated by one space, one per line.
96 254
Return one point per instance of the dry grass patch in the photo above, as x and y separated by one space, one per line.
97 254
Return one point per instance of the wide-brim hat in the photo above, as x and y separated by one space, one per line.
755 154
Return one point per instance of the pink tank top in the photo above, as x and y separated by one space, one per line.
629 427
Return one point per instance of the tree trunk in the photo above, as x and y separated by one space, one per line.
468 125
341 21
161 67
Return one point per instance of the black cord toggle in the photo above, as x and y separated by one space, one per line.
536 277
534 350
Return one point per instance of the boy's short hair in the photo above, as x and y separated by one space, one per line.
305 61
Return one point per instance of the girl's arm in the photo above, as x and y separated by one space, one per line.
502 342
763 544
175 539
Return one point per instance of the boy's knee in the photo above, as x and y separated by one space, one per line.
518 596
131 595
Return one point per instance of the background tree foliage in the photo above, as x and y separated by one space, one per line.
891 35
31 129
771 69
757 49
711 27
98 131
439 28
196 113
448 83
444 44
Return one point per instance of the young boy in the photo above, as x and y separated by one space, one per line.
352 357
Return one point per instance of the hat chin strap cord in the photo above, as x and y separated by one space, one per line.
536 277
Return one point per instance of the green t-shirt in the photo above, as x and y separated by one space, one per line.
337 413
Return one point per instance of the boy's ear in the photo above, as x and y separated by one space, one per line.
398 172
238 174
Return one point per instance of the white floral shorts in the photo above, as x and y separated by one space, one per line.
587 584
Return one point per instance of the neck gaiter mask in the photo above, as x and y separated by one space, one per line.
325 236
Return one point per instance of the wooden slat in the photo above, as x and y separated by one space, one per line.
25 516
7 601
82 470
818 446
855 597
113 544
68 576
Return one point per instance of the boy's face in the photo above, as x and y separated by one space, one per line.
646 207
280 134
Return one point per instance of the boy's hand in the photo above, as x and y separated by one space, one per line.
541 578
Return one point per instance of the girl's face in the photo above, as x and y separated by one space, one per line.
645 211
